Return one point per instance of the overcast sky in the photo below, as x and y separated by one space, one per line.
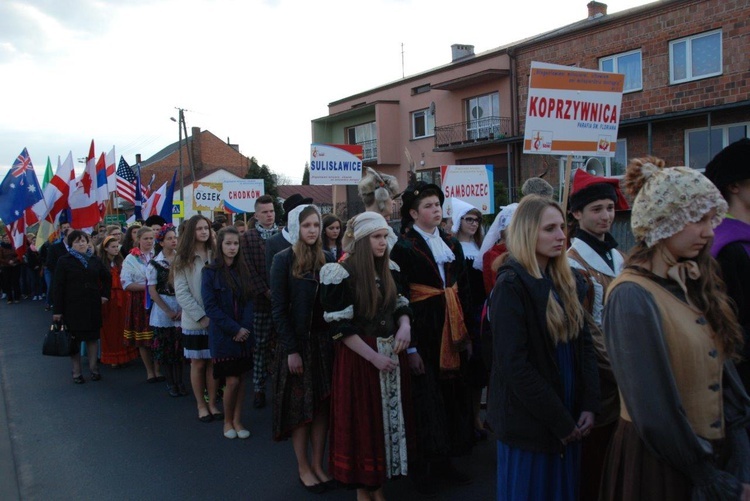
254 71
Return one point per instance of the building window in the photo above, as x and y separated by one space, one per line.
420 89
365 135
619 162
483 116
422 124
698 151
627 63
430 176
698 56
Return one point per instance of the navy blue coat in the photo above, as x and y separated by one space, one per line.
227 316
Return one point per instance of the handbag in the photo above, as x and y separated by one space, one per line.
58 342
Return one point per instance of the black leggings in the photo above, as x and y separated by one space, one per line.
12 282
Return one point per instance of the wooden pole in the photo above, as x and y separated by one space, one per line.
566 188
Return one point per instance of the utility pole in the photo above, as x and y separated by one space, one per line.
182 127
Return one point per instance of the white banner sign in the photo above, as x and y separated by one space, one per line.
331 165
572 111
240 196
206 196
471 183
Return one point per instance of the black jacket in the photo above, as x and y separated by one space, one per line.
78 292
55 252
274 245
525 406
292 301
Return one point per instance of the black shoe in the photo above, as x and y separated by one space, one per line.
318 488
426 487
79 379
183 391
208 418
95 376
260 400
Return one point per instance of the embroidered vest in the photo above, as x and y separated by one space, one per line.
694 357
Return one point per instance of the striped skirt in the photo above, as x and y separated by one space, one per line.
137 331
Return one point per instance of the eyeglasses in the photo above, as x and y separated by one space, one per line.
471 220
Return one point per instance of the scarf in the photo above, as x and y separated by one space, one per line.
265 234
681 271
83 258
440 250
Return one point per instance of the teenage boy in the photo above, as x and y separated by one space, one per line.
254 249
730 172
594 253
433 265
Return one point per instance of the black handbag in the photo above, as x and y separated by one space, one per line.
58 342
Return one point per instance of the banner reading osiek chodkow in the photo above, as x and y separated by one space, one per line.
471 183
335 164
572 111
240 196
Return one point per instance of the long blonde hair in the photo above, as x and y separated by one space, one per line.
308 258
563 322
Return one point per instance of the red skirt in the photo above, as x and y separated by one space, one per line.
357 435
114 349
137 331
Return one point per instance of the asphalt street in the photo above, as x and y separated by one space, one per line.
123 439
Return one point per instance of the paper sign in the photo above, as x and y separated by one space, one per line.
471 183
240 196
572 111
207 196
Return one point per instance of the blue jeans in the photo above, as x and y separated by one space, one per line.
48 281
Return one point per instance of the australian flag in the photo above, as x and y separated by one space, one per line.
19 190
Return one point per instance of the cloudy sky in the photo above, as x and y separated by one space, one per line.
253 71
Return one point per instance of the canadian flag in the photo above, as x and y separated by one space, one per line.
84 199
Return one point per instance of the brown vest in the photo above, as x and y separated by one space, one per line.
694 357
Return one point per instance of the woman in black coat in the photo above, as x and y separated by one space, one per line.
81 286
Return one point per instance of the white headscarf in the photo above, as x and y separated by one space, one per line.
501 222
293 221
361 226
459 208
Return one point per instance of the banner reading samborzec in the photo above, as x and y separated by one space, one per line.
572 111
474 184
335 164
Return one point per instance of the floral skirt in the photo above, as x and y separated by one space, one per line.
137 331
367 445
298 399
167 345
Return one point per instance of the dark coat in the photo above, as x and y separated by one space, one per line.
55 252
227 317
292 300
525 407
274 245
254 252
78 292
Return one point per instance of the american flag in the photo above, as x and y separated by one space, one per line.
126 182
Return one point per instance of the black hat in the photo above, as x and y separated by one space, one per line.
155 219
415 192
293 201
730 164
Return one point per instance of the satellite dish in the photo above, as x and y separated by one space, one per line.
594 166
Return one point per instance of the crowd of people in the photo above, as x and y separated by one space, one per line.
608 374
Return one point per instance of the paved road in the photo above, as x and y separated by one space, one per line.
121 438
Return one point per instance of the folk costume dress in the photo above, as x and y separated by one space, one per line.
114 349
187 285
441 396
167 344
137 330
371 432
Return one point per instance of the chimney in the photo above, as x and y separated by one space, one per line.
196 148
460 51
596 9
137 158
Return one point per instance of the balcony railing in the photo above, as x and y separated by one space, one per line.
474 131
369 150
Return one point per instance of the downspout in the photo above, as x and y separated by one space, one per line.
513 119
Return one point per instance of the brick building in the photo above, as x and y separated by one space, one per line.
687 95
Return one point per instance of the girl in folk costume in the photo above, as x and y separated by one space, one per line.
594 253
114 351
467 228
302 382
133 278
672 335
377 192
371 399
166 312
194 251
435 271
228 301
544 383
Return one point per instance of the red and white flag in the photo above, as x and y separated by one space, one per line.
57 191
111 163
83 199
155 202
